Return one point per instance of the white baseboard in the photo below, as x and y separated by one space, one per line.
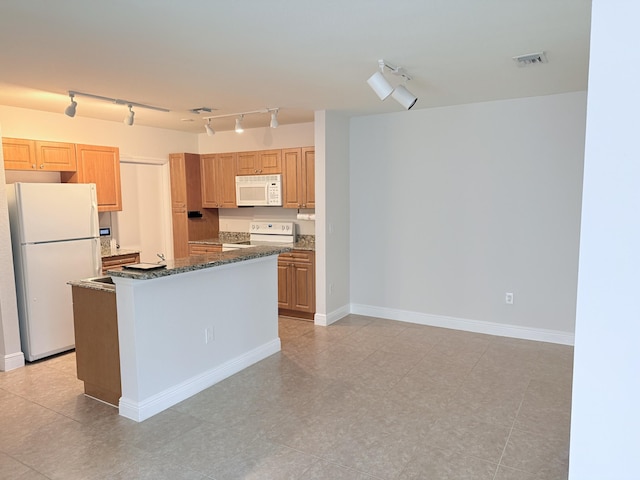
477 326
11 361
324 320
147 408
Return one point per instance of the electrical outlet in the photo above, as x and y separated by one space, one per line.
508 298
208 335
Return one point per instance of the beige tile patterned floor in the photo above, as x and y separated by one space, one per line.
363 399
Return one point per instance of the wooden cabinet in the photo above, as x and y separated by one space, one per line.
95 320
297 284
203 249
218 180
263 162
298 177
99 165
119 260
23 154
186 197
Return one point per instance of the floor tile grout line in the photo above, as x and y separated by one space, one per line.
515 418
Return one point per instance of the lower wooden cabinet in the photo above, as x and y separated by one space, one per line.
95 320
203 249
120 260
297 284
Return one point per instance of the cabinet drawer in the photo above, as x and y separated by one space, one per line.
120 260
202 249
297 256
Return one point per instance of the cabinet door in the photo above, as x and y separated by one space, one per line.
209 182
269 162
247 163
303 284
56 156
178 180
291 178
226 179
284 284
309 177
19 154
100 165
180 232
218 180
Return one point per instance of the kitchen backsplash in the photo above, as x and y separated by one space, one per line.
231 237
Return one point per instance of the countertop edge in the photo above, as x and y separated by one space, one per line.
190 264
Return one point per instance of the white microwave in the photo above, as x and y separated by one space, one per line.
259 190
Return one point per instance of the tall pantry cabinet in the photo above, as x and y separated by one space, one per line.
190 221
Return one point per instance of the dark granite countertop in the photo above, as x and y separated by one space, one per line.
189 264
93 286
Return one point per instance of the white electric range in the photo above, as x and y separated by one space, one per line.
265 233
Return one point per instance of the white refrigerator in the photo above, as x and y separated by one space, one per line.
55 239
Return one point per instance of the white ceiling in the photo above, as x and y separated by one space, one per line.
299 55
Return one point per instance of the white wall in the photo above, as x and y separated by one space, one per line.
285 136
147 227
453 207
605 424
10 350
134 142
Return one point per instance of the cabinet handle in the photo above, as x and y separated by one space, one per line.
42 165
33 165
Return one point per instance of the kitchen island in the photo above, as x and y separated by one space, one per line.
189 324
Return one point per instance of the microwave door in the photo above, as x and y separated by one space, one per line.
251 195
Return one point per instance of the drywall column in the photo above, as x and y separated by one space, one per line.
332 217
11 355
605 425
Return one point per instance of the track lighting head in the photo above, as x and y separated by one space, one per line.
239 128
209 129
128 120
274 119
380 85
404 97
383 88
70 111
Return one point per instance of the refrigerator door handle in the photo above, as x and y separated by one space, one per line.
97 257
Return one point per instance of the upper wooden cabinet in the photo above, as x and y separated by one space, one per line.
23 154
99 165
218 180
262 162
298 177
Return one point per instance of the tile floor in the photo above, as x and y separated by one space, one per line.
362 399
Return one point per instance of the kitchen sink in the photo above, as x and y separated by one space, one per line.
106 281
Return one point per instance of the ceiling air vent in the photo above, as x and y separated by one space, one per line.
531 59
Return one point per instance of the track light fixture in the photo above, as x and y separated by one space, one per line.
239 128
209 129
383 88
240 117
70 111
128 120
